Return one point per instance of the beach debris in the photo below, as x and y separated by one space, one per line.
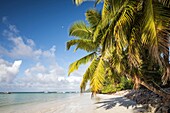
153 102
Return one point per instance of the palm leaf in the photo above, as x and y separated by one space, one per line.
89 73
97 80
78 2
75 65
106 9
83 44
116 5
80 30
165 2
97 1
149 35
124 23
93 17
162 15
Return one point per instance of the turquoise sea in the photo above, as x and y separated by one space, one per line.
25 98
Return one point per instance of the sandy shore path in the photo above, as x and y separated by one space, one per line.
78 104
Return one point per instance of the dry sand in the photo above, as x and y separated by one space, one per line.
78 104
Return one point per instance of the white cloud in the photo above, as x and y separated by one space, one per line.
50 52
9 71
30 42
20 49
44 72
37 68
13 28
24 48
51 77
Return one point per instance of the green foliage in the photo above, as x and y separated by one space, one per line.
95 72
80 30
98 76
125 83
131 39
83 44
75 65
165 2
109 89
93 17
112 87
89 73
79 2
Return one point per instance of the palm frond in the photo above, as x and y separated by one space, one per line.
89 74
162 15
97 1
78 2
123 25
134 48
110 72
93 17
116 5
97 80
108 42
149 31
165 2
106 9
149 35
116 62
80 30
97 33
75 65
134 57
161 12
83 44
108 33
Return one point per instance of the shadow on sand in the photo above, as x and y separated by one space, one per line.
112 102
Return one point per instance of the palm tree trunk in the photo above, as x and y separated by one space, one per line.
166 75
156 90
136 81
165 78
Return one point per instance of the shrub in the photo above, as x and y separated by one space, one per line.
112 87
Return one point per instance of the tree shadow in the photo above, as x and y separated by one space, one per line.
112 102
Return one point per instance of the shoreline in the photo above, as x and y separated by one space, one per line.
80 103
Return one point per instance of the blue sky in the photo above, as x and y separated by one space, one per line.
33 36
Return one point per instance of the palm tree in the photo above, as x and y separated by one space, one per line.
84 40
131 31
138 26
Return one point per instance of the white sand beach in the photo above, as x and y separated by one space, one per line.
80 103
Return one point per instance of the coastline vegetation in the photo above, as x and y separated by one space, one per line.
127 40
111 87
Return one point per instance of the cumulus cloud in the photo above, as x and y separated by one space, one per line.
11 27
51 78
22 47
9 71
44 72
43 78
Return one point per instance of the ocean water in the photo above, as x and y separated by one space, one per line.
25 98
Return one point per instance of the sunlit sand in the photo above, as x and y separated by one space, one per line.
80 103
